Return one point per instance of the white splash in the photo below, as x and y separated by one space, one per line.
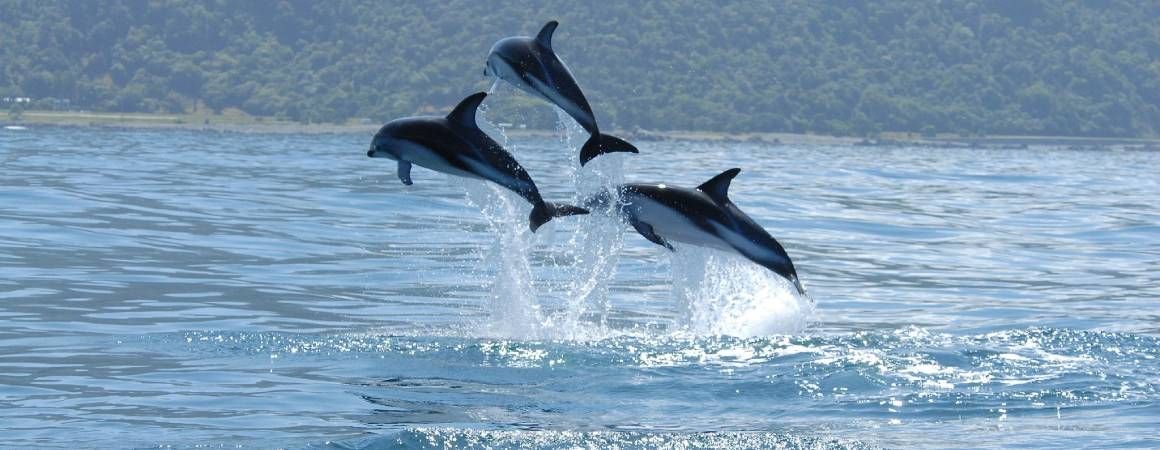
595 242
720 293
526 300
512 305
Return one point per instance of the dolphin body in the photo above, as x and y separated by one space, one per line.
531 65
455 145
704 217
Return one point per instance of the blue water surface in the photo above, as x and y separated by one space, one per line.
206 289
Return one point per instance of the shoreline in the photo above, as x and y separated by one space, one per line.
237 123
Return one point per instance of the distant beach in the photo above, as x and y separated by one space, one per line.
241 123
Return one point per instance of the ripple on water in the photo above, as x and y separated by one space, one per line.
478 439
909 380
964 299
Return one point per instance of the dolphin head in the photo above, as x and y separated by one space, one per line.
489 67
780 264
384 141
504 58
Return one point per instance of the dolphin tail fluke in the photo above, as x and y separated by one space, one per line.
544 212
599 144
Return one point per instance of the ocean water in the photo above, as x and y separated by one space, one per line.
199 289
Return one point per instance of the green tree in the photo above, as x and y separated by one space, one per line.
1071 67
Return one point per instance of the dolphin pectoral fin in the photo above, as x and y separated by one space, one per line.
646 230
405 172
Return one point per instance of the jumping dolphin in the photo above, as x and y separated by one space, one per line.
531 65
455 145
703 217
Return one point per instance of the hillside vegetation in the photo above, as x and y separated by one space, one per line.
1028 67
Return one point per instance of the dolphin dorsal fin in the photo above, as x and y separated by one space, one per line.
464 112
545 36
717 188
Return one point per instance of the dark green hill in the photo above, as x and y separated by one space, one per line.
1079 68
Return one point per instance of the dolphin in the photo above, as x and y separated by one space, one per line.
530 64
455 145
704 217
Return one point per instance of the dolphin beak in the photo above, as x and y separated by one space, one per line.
371 153
798 284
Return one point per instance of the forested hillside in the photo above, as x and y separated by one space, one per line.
1066 67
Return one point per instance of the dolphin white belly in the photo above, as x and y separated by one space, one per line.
537 88
743 245
497 176
506 72
564 103
674 226
429 159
